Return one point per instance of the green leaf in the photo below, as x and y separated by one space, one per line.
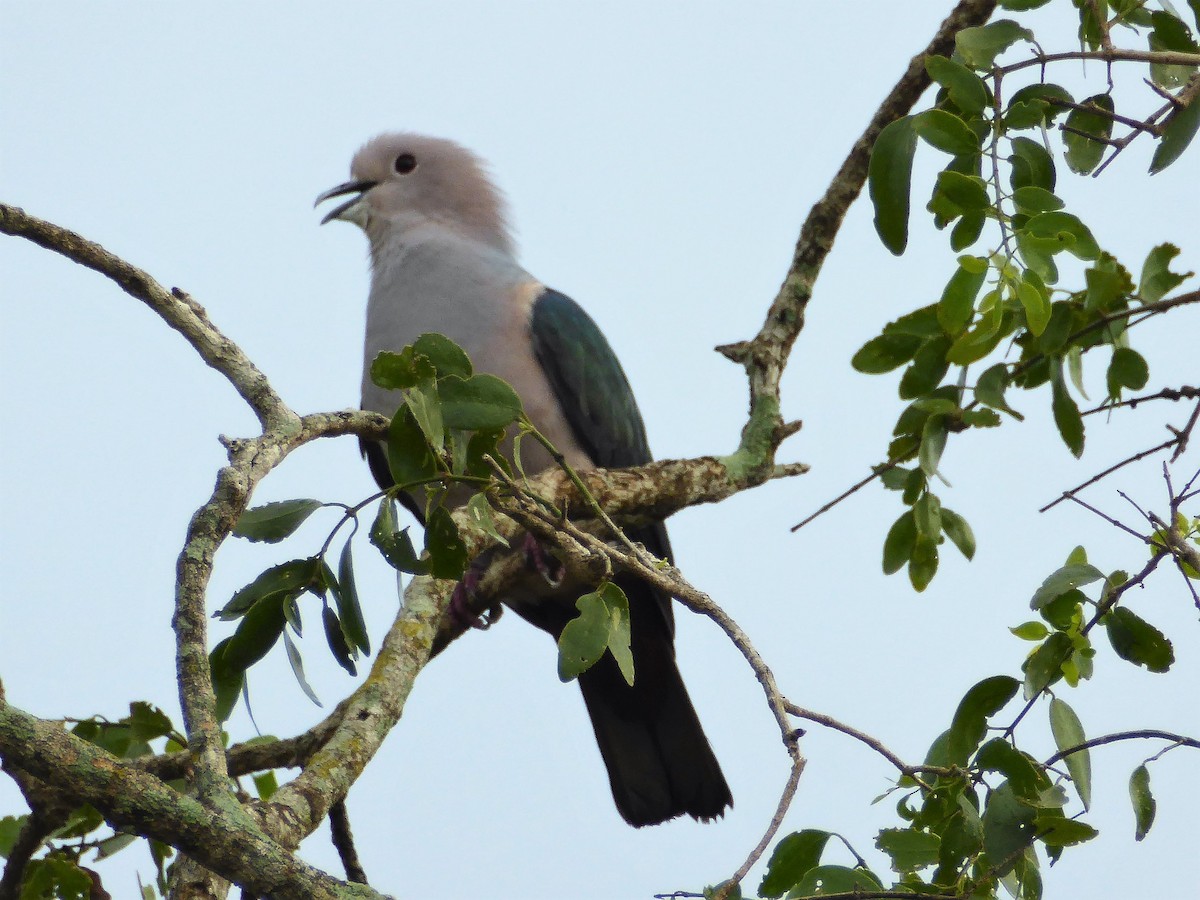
981 418
899 543
447 552
1031 631
400 371
1031 199
965 89
147 722
1067 578
1137 641
1107 283
910 850
1026 114
1068 732
959 532
1176 137
423 402
791 860
409 458
345 595
927 513
620 641
921 323
969 725
1170 33
1084 151
1128 368
273 522
979 340
1044 665
266 785
56 876
1157 278
1066 414
980 46
114 845
479 402
945 131
227 680
990 388
1032 165
1036 304
1050 97
884 353
484 443
445 355
1038 253
928 368
479 511
923 563
1052 340
968 230
915 484
889 180
967 192
602 624
1007 827
1056 831
10 827
1022 5
290 579
396 546
1056 223
956 307
297 664
335 637
933 442
835 880
256 634
894 479
1144 804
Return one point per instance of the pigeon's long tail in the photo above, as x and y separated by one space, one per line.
659 762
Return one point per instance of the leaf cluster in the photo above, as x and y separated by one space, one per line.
1008 297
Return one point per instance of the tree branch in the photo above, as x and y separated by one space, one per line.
1143 733
174 307
765 356
135 800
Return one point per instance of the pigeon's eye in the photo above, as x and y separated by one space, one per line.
405 163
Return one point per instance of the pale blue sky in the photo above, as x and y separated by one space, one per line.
659 161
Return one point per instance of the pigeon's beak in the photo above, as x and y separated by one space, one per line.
353 210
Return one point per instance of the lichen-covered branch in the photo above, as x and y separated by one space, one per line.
142 803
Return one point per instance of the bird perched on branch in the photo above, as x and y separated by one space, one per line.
442 260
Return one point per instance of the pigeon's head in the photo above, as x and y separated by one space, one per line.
400 181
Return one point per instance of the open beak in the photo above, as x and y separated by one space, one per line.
350 211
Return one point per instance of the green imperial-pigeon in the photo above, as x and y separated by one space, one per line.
442 260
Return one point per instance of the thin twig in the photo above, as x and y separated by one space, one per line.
1142 733
781 808
1159 57
1183 392
1070 495
875 744
343 841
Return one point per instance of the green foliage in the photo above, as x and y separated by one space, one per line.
1009 296
1144 805
791 860
1136 640
602 624
448 422
275 521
